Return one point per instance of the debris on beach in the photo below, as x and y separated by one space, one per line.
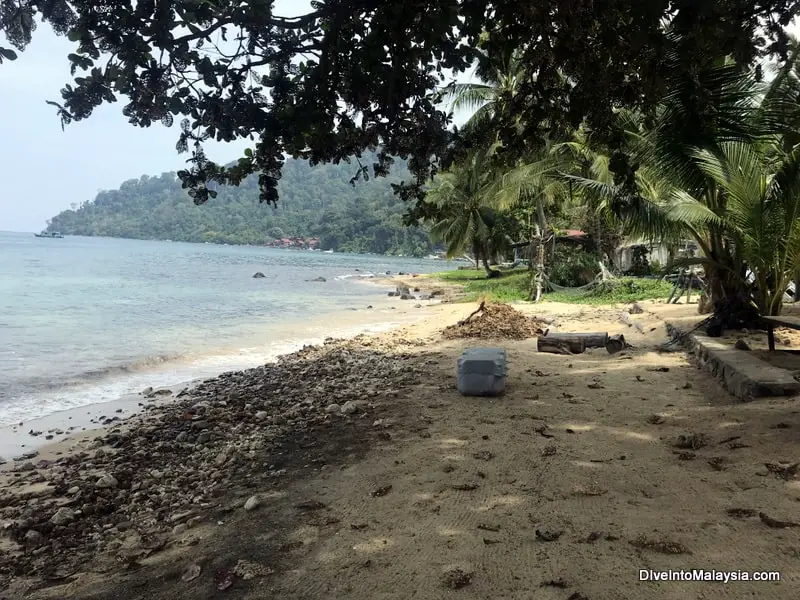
495 320
142 486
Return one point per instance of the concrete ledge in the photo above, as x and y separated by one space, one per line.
741 373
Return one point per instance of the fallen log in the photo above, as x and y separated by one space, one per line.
549 343
615 343
590 340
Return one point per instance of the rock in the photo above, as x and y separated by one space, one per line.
62 516
416 289
181 437
353 406
106 482
407 297
34 538
333 408
163 393
392 294
147 391
259 275
318 279
179 529
204 438
252 503
741 344
199 425
418 306
370 306
124 525
636 309
262 415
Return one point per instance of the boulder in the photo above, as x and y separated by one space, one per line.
259 275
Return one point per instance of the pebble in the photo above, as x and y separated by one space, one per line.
252 503
262 415
62 516
204 438
333 408
33 538
106 481
349 407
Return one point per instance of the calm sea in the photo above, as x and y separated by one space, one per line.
86 320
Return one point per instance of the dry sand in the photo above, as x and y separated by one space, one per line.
564 488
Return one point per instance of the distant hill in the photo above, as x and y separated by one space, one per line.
314 202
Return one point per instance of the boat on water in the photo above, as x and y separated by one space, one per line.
49 234
327 251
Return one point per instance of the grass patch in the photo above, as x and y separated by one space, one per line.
628 289
515 285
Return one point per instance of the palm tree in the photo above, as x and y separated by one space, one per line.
537 184
464 214
718 164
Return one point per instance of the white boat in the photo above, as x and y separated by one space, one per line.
328 251
49 234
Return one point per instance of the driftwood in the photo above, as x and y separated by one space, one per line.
615 343
472 314
590 340
549 343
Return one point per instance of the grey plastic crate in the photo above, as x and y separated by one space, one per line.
482 372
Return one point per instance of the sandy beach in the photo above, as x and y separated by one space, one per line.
356 470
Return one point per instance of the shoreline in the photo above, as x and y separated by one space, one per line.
59 428
355 469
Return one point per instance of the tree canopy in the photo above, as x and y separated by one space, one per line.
352 75
320 203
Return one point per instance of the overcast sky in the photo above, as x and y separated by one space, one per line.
44 170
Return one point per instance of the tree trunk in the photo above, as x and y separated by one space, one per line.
476 254
560 346
590 340
797 287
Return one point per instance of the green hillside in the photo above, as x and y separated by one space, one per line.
314 202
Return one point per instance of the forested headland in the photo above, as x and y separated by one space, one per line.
317 202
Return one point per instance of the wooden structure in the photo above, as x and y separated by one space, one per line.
772 322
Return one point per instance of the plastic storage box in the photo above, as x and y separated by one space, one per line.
482 372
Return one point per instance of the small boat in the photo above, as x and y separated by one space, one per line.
327 251
49 234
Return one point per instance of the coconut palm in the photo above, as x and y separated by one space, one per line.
538 185
716 165
465 213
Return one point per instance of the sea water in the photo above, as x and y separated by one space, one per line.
86 320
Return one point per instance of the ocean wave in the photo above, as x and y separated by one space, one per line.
47 382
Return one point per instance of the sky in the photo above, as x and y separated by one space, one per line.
44 170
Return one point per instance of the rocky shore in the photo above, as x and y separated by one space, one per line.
140 487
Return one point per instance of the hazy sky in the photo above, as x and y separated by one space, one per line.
43 170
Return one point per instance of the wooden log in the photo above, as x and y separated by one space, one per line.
615 343
550 343
590 340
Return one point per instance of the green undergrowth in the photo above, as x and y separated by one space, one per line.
515 286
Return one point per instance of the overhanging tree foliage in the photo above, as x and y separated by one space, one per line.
365 74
